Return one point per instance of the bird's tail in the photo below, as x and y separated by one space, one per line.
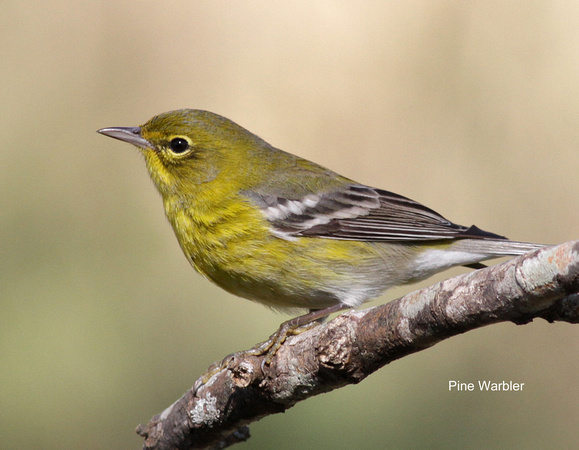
495 248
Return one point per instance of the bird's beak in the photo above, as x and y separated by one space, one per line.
132 135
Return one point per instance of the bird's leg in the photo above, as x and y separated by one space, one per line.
290 327
270 347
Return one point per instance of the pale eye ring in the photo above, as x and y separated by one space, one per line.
179 145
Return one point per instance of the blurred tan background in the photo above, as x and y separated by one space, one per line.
470 108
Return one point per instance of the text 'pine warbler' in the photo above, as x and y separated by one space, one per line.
283 231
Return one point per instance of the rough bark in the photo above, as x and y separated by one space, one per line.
541 284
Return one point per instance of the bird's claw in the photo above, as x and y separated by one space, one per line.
269 348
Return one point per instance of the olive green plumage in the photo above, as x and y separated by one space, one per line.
278 229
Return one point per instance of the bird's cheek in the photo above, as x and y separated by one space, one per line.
199 172
159 173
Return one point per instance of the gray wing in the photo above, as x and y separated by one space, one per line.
358 212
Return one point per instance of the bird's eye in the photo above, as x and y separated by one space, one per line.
179 145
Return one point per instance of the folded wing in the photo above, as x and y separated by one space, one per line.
358 212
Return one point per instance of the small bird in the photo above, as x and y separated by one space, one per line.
283 231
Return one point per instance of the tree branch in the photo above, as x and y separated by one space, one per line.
544 283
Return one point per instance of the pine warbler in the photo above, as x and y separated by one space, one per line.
283 231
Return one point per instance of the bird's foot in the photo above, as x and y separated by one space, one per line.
269 348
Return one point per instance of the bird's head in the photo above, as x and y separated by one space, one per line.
186 148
